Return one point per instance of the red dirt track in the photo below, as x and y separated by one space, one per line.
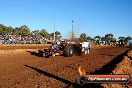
20 69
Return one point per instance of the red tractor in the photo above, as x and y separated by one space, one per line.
63 48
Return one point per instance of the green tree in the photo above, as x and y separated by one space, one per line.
92 40
121 40
1 29
36 32
52 35
127 39
83 37
24 30
16 31
10 29
89 38
97 39
113 40
109 38
57 35
103 38
44 33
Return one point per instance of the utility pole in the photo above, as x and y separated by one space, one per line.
54 25
72 30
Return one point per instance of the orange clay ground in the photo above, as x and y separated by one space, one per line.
20 69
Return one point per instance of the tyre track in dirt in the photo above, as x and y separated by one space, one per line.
24 70
69 71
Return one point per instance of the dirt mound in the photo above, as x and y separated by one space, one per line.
130 54
125 67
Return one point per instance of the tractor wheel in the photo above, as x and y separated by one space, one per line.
44 54
68 51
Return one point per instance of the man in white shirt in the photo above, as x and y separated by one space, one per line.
86 47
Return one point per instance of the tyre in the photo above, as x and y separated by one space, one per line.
40 53
47 54
43 54
68 51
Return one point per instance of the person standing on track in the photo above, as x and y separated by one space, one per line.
86 47
89 46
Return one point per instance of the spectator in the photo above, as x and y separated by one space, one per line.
89 47
13 39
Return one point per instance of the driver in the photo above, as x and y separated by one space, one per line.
55 47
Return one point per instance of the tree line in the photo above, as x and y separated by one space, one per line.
25 31
107 39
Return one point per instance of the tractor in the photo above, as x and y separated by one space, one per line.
63 49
